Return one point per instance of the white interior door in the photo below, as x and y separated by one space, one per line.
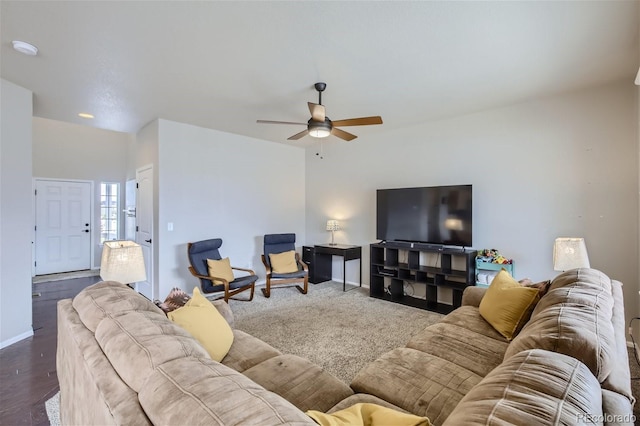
144 228
63 226
130 210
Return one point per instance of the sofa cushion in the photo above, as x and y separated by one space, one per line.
574 318
203 321
107 299
469 317
619 380
462 346
191 391
304 384
507 305
247 351
137 342
532 387
420 383
85 374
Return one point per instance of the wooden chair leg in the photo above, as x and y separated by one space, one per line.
253 287
267 290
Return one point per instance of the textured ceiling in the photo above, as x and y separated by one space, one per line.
223 65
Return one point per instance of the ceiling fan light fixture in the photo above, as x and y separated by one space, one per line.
319 130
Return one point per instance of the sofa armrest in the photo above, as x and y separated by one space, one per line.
225 310
472 296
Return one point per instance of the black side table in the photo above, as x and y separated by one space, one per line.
323 253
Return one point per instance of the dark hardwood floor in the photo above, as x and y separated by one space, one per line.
28 368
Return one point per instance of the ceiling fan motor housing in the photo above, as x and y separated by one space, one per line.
319 129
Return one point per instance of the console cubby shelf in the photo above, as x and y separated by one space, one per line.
393 264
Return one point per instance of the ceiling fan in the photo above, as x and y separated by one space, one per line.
320 126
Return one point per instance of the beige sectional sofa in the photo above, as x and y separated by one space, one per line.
121 361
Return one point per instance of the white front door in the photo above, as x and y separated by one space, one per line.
63 226
144 228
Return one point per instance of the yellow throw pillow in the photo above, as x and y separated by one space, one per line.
283 263
221 269
367 414
203 321
507 305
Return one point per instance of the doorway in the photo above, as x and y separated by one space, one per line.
62 226
144 228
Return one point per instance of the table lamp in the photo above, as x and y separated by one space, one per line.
333 226
570 253
122 261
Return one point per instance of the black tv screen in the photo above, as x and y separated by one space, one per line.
433 215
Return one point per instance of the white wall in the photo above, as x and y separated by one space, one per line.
16 213
213 184
71 151
565 166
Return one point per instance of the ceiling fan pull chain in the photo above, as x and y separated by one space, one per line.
320 154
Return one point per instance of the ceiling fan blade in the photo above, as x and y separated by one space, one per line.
278 122
362 121
298 135
317 111
342 134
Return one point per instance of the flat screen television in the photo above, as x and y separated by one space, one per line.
439 215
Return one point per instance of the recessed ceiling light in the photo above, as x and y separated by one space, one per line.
24 47
85 115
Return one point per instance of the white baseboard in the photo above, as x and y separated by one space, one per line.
16 339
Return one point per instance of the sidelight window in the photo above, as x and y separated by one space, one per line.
109 217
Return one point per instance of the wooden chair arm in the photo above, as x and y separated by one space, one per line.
208 277
301 263
244 269
266 265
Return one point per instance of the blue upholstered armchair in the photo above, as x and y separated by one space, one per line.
275 244
199 252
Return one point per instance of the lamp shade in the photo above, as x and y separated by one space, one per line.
333 225
122 261
570 253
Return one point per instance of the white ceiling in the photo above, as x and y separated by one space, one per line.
223 65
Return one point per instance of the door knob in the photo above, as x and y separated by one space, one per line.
148 241
85 230
86 224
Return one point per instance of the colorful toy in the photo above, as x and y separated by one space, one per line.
493 256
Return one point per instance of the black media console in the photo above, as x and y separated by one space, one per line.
392 264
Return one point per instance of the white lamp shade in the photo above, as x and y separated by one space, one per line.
570 253
122 261
333 225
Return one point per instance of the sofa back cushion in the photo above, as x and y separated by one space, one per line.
532 387
137 342
573 318
108 299
193 391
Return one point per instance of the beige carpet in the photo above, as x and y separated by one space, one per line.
340 331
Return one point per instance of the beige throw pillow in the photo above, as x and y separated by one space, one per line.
203 321
221 269
283 263
507 305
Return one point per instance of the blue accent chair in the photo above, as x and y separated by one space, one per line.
199 252
279 243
